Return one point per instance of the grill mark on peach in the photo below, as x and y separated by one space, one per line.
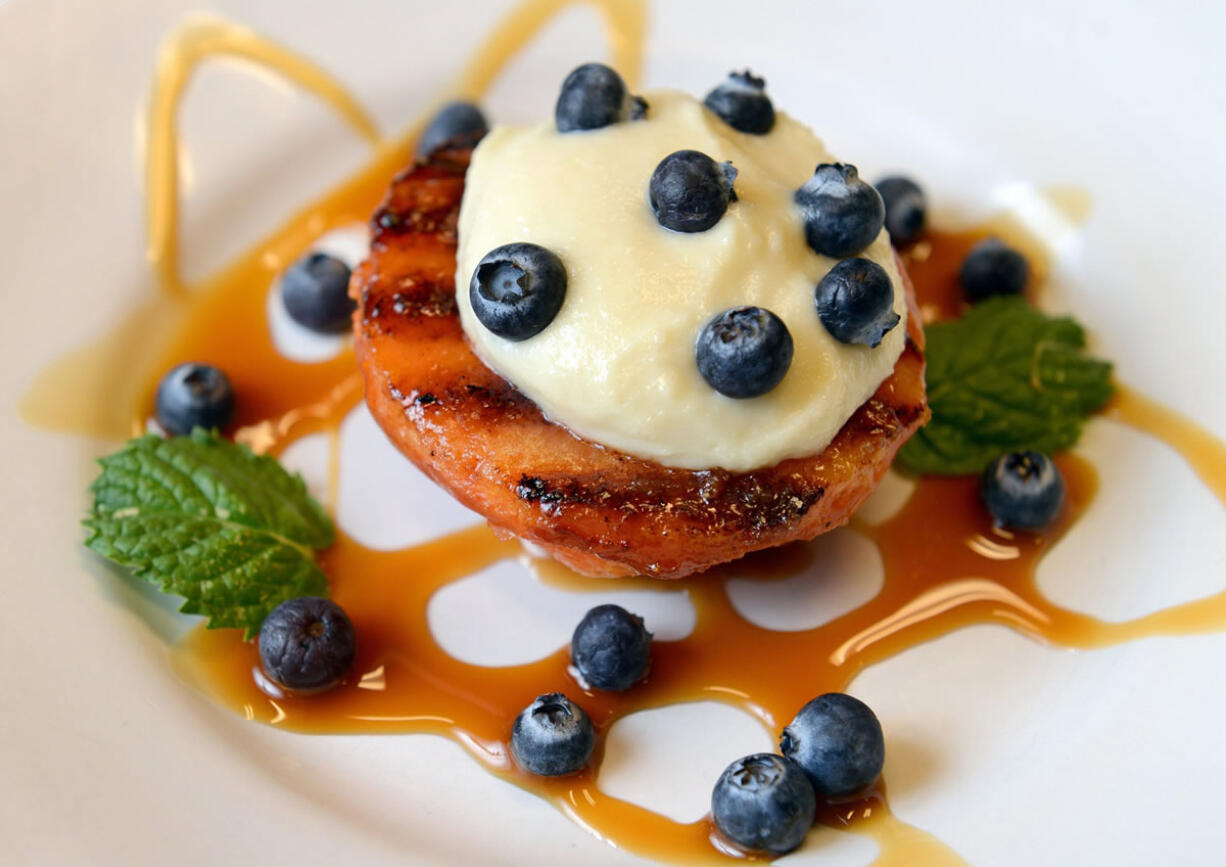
598 509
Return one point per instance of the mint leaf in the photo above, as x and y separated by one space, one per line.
1004 377
231 532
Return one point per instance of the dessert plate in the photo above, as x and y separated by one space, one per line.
1009 752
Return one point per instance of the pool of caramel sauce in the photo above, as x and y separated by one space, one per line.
945 565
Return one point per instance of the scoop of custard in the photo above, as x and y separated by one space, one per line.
617 364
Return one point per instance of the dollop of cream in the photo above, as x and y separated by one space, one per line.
617 365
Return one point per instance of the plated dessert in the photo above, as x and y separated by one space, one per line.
653 334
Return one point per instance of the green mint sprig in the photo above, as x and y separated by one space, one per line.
1003 378
198 516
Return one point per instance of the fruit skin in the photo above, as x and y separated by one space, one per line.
552 736
600 511
517 290
838 742
906 209
855 301
993 268
315 292
594 96
744 352
454 120
689 191
842 212
764 803
194 395
1023 490
307 644
742 103
611 648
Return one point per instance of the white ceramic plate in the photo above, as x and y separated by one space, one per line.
1012 753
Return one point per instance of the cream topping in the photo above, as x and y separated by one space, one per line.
617 364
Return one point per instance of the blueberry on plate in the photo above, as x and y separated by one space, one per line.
906 210
611 648
1023 490
194 395
307 644
552 736
838 741
315 292
594 96
744 352
992 268
855 301
455 120
764 803
842 212
741 102
689 191
517 290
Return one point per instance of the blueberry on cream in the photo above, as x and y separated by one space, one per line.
517 290
594 96
744 352
843 214
855 301
689 191
742 103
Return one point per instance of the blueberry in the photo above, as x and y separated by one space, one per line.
742 103
838 742
689 191
611 648
517 290
194 395
744 352
764 803
315 292
906 210
842 213
855 301
552 736
455 120
307 644
1023 490
991 268
594 96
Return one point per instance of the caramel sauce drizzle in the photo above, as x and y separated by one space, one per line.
945 565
